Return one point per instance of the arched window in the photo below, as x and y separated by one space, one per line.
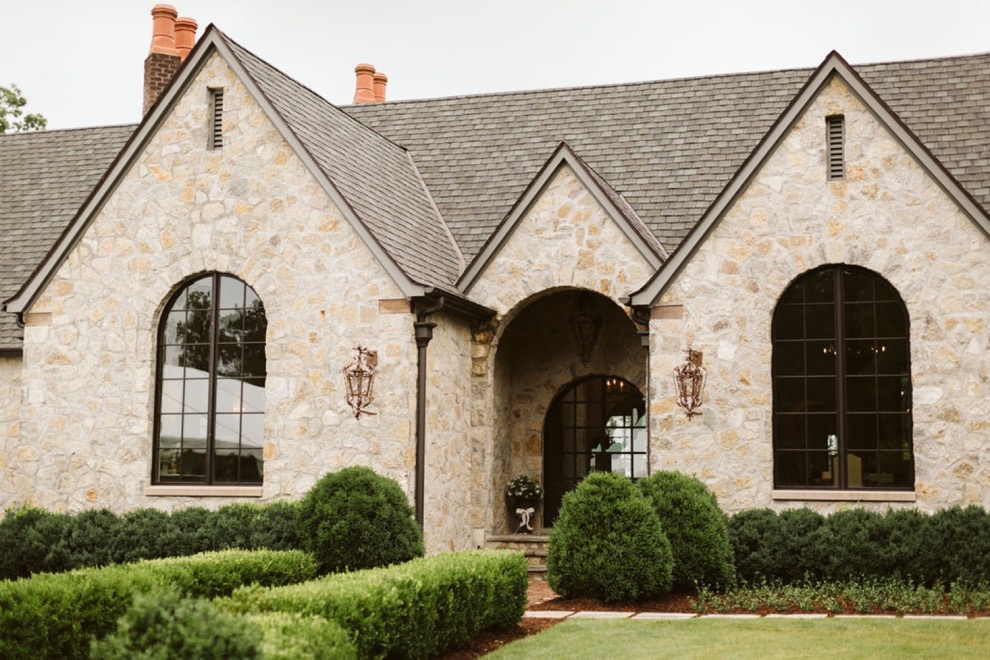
841 383
209 422
596 423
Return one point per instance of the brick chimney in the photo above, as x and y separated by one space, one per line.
171 40
380 80
364 90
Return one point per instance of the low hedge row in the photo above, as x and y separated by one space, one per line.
945 547
56 615
33 540
416 609
165 624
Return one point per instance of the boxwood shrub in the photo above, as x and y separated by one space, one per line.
950 546
355 519
33 540
607 543
416 609
697 528
56 615
162 623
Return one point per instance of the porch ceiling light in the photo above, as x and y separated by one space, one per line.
359 377
689 379
586 328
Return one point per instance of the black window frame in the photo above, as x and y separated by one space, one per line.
845 379
243 344
573 448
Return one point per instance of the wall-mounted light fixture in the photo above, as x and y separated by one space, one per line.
359 377
689 379
586 327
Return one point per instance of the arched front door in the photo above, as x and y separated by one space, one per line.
596 423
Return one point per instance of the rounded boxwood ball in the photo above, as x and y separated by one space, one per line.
697 528
607 543
355 519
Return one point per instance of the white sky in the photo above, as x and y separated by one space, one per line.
80 62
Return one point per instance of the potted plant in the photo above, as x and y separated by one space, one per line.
523 495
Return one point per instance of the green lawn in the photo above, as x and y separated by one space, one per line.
757 638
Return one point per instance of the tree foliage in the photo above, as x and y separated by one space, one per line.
12 115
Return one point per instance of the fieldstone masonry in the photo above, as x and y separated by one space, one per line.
76 414
887 215
566 243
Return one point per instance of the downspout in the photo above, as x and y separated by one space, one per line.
642 317
424 333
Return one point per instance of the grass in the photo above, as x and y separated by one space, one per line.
756 638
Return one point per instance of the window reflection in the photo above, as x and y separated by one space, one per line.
211 384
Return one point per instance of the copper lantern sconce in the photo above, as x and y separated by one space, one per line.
689 379
359 377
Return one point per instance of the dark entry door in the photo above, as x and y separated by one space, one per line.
596 423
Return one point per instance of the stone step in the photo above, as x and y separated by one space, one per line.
533 547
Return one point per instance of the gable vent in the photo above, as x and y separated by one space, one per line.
216 119
836 134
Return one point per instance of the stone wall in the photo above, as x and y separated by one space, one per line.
251 209
565 243
888 216
11 446
454 465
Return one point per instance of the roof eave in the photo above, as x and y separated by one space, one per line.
834 64
562 155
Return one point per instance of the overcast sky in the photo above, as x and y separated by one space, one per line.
79 62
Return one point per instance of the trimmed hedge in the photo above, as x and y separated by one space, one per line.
950 546
416 609
56 615
355 519
33 540
697 528
287 636
608 543
164 624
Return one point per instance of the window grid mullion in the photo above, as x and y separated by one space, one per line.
840 375
211 418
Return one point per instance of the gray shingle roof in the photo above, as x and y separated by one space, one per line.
44 179
668 147
374 175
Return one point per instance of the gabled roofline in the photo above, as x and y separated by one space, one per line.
833 65
562 155
212 40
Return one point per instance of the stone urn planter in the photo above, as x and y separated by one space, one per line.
522 498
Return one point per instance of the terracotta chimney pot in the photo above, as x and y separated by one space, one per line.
364 91
185 36
163 29
380 81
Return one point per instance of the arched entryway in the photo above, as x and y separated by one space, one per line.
568 339
596 423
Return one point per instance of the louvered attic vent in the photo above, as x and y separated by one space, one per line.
216 119
836 135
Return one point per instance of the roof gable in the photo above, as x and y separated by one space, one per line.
614 204
373 181
834 65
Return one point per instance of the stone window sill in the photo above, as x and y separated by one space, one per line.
846 495
202 491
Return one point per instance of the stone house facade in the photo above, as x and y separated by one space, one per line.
191 302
